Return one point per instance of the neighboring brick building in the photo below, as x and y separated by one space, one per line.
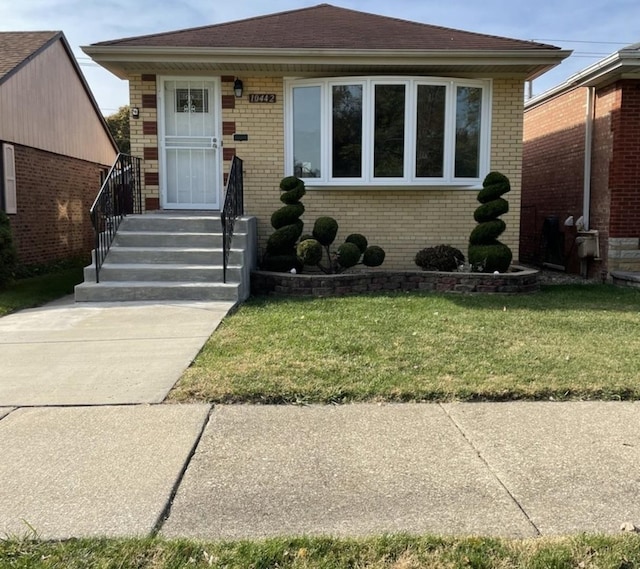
54 145
581 162
392 124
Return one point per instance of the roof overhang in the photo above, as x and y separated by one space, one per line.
124 61
624 64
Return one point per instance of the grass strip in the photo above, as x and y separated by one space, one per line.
566 342
35 291
386 552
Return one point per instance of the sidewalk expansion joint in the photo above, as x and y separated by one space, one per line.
166 511
491 470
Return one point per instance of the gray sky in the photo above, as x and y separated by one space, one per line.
592 29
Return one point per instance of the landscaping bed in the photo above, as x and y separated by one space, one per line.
520 280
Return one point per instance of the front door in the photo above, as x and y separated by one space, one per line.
189 136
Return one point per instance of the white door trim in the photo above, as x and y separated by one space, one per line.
216 104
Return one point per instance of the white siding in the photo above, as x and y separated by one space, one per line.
44 105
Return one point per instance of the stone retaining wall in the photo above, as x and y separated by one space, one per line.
520 281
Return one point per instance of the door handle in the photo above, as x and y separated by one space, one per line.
214 142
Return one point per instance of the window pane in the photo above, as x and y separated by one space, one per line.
347 131
430 134
468 109
306 132
388 144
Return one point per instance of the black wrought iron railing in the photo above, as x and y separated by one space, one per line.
233 208
119 195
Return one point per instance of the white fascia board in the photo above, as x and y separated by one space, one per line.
123 54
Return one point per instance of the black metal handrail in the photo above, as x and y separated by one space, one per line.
119 195
233 208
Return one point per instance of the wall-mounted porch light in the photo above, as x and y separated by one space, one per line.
237 88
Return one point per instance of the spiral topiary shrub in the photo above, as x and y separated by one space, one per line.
353 251
486 253
8 256
439 258
281 255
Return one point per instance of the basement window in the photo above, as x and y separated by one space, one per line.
388 131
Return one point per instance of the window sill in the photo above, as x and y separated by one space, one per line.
310 186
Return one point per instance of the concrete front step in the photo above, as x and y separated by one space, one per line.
168 255
155 291
179 223
164 272
125 238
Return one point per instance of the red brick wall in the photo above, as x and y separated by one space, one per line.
54 194
624 178
553 169
607 103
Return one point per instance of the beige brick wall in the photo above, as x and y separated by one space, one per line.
139 140
402 221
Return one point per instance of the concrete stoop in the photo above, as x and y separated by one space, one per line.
165 256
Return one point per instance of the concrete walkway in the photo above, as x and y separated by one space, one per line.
100 353
508 469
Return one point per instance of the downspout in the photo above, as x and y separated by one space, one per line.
588 143
586 190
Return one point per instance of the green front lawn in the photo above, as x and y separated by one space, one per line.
580 341
390 552
34 291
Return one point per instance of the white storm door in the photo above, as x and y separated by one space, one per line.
190 139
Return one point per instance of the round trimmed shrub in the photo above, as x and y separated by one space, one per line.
325 230
358 240
439 258
309 252
373 256
348 255
486 253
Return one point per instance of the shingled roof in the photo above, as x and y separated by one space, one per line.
18 48
327 27
325 39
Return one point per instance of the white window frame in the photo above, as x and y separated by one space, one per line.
9 178
411 89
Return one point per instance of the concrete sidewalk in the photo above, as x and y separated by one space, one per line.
101 353
88 449
505 469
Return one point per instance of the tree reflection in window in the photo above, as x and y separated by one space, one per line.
347 131
430 131
388 144
468 111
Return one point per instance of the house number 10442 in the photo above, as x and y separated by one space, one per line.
262 98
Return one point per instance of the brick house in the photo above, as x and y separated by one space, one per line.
54 145
392 124
581 170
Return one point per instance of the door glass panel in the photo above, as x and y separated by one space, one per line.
306 132
388 145
347 131
468 110
430 131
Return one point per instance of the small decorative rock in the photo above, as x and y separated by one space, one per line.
629 527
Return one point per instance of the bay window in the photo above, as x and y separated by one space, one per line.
388 131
